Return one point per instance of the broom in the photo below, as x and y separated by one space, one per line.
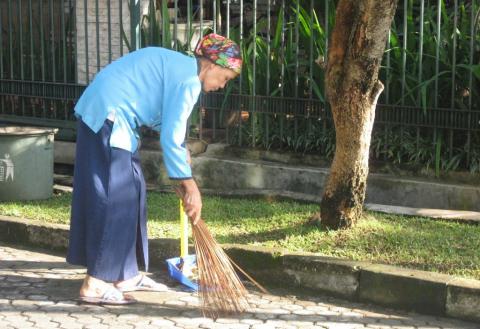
220 289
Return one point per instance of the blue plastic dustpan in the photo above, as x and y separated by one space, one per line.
175 263
176 273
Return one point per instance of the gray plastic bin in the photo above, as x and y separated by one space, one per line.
26 163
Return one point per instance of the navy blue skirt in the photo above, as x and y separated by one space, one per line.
108 232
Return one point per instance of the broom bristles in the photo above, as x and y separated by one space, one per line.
220 288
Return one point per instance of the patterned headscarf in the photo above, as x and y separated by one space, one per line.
221 51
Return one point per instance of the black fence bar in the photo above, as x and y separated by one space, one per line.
295 107
50 50
310 108
45 90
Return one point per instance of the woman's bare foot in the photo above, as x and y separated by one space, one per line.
93 287
96 291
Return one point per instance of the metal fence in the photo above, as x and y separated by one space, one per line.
52 49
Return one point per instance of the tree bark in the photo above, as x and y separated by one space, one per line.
357 46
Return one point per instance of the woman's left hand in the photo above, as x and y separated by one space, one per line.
192 199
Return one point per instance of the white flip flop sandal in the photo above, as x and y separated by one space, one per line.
145 284
111 296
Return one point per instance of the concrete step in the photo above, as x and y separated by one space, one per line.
471 217
219 170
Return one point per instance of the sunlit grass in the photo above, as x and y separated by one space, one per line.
413 242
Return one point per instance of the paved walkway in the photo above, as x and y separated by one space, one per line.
37 290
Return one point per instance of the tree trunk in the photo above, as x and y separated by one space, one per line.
357 46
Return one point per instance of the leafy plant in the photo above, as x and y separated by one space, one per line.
413 84
272 68
157 29
422 81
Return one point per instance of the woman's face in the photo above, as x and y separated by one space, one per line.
216 77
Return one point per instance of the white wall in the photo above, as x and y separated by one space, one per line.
103 43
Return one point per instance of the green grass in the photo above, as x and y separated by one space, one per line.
413 242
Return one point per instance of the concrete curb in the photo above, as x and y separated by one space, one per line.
419 291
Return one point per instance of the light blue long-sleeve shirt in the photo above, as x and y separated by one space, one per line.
152 86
